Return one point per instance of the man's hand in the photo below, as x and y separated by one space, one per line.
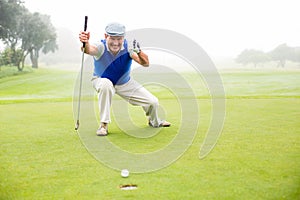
84 36
137 55
136 46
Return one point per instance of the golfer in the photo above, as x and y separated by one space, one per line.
112 66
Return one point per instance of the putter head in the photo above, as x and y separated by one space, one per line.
77 125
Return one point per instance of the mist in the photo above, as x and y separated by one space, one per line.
222 28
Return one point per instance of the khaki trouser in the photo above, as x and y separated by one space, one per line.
132 92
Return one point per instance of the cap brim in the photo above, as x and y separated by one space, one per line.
115 34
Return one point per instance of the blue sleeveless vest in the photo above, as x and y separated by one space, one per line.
115 68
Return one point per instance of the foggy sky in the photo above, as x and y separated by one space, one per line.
222 28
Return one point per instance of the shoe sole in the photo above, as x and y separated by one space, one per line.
161 125
102 134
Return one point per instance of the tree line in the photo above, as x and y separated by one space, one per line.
24 33
280 54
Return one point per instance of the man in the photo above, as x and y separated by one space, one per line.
112 65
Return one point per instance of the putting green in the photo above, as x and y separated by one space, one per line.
256 157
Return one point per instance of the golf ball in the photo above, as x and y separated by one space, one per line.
124 173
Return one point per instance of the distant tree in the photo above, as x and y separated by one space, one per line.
296 55
11 13
38 34
252 56
6 57
68 52
282 53
25 33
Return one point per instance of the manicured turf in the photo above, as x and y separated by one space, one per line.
256 157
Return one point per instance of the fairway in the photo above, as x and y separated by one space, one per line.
256 157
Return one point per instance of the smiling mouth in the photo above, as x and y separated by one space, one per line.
115 47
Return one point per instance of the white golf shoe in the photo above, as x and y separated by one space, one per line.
102 130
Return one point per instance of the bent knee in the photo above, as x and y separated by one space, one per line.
153 101
103 84
106 83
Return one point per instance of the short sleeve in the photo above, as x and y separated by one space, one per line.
100 47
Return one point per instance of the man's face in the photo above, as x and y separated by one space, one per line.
114 43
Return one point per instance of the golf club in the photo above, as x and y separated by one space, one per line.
80 82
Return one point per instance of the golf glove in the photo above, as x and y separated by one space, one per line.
136 46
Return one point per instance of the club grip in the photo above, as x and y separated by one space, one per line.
85 27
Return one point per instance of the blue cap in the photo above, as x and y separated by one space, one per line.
115 29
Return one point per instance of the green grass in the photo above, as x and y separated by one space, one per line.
8 71
39 85
256 157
